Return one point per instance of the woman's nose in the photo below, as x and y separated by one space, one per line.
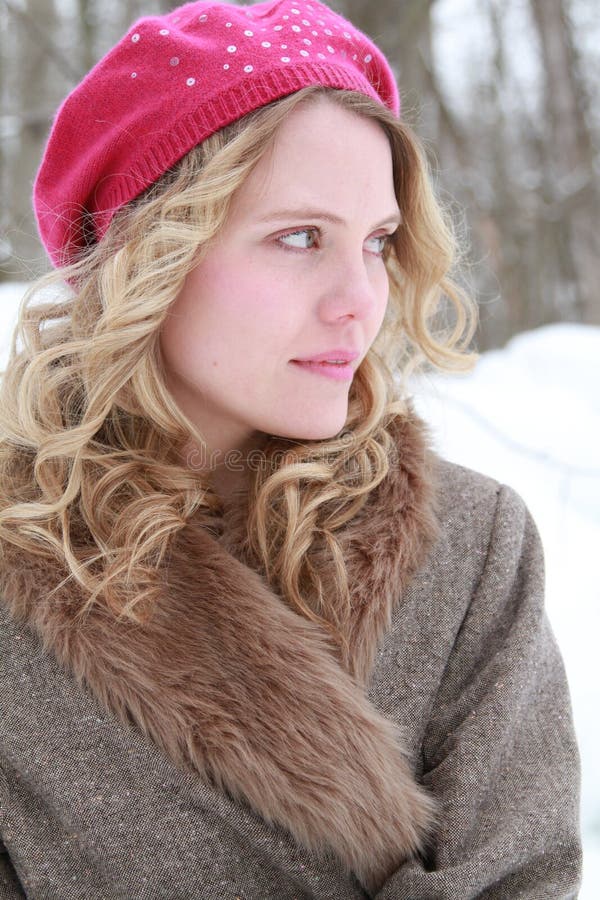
353 288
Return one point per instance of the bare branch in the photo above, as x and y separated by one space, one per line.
41 39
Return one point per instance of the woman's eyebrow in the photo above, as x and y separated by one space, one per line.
394 218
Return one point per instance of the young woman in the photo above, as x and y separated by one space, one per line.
256 639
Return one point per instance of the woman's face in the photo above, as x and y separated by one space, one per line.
297 272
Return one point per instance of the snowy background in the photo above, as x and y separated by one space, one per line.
529 416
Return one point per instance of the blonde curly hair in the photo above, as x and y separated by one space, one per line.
91 440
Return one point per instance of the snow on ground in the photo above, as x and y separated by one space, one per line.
529 416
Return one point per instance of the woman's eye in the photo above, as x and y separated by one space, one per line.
296 238
383 239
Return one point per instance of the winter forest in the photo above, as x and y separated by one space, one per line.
503 92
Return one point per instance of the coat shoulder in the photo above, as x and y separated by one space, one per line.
467 497
456 483
465 500
481 521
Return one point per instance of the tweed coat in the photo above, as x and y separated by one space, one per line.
224 749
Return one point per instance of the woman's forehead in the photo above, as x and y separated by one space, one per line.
326 157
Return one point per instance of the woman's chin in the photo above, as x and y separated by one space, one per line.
313 431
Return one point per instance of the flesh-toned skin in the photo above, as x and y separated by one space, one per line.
262 296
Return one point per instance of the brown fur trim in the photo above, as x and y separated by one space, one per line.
227 679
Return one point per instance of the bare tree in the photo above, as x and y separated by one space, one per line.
569 217
33 62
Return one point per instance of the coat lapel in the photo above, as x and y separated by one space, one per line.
230 681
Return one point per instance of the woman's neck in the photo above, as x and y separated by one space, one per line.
228 483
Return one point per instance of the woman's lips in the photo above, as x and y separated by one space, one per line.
336 371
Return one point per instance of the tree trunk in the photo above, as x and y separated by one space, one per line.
572 198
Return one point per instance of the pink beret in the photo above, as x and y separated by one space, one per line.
171 82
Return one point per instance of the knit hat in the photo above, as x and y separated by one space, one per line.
171 82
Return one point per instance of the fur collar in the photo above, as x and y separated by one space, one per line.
230 681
